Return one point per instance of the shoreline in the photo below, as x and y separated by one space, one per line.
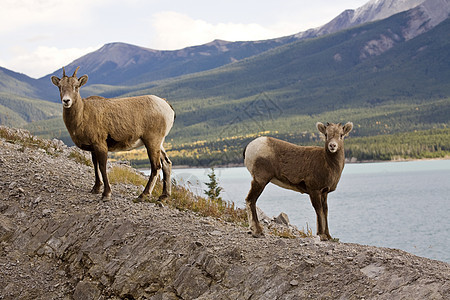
346 162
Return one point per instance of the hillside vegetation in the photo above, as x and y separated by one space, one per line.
426 144
19 111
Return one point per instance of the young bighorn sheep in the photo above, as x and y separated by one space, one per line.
312 170
99 125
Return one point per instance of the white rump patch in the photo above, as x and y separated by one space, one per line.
259 147
166 110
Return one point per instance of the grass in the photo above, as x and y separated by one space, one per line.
123 174
80 158
181 198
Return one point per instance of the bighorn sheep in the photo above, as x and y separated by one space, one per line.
99 125
312 170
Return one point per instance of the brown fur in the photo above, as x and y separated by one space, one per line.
99 125
312 170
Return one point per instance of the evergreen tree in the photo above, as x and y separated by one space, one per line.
213 191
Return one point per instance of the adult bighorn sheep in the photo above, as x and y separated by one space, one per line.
312 170
99 125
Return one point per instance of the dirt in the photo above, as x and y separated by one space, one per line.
58 241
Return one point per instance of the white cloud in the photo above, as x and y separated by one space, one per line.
175 30
20 13
45 60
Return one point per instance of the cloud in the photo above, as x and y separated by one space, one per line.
45 60
16 14
175 30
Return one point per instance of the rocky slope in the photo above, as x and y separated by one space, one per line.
57 241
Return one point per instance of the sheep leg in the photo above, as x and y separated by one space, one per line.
325 213
255 191
155 165
316 200
101 154
98 182
166 169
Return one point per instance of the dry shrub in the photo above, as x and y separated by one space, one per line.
123 174
181 197
80 158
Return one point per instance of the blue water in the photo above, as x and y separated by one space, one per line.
403 205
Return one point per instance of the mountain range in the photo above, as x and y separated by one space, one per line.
384 62
124 64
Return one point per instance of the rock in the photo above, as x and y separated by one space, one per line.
294 282
282 219
372 271
7 228
86 290
46 212
216 233
262 217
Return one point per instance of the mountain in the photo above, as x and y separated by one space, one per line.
18 103
124 64
371 11
18 84
371 73
18 111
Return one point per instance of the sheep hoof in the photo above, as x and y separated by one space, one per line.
141 198
106 197
96 190
324 237
144 198
257 234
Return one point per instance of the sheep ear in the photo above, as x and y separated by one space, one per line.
347 128
55 80
322 128
82 80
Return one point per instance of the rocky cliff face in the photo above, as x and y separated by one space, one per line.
57 241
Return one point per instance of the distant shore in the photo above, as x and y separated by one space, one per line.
347 161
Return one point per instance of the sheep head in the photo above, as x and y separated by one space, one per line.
69 87
334 135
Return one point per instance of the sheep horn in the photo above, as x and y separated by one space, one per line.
64 72
75 73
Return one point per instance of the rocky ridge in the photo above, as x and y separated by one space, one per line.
58 241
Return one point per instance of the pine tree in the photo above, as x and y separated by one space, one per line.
214 189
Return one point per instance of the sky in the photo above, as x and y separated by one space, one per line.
40 36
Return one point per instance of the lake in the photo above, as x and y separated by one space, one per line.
403 205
